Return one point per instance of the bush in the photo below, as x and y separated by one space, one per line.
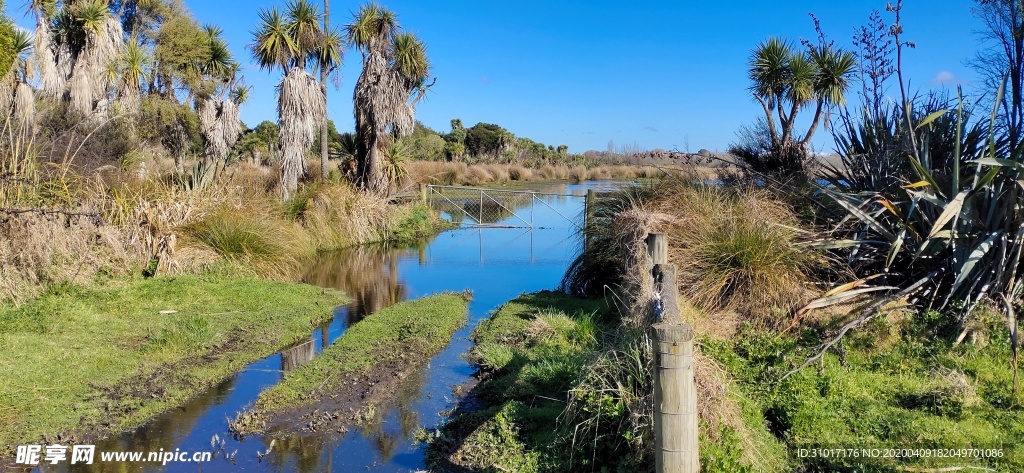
757 152
954 228
7 54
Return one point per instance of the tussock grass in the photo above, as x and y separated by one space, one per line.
520 173
337 216
735 248
249 237
578 173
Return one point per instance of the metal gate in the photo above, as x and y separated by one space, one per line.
494 208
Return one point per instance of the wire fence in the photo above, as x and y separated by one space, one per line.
481 207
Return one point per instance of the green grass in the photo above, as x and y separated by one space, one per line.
414 330
104 359
532 351
913 391
416 223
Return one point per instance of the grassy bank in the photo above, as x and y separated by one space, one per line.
898 385
87 361
530 353
563 388
393 340
745 268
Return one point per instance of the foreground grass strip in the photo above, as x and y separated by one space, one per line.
408 333
898 385
90 361
530 352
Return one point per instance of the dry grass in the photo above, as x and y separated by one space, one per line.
578 173
457 173
139 220
337 216
42 249
734 249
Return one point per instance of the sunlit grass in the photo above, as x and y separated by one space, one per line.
77 359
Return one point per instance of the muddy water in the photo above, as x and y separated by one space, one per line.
497 264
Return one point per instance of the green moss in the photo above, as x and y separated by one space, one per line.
413 330
87 357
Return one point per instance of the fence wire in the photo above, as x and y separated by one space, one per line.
473 206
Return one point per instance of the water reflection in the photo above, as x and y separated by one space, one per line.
368 274
162 433
298 355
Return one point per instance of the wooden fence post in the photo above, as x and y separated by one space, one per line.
676 447
657 248
675 400
423 193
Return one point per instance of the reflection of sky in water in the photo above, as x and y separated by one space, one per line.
496 263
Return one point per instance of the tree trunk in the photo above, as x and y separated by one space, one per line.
323 86
376 181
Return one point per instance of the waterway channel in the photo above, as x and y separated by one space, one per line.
496 264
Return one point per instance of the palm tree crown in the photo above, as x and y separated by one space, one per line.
785 79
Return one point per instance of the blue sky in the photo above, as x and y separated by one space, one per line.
668 74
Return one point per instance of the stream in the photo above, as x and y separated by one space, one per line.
497 264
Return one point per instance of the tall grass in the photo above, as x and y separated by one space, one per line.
735 248
70 227
249 237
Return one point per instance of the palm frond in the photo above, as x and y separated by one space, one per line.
835 70
410 58
371 24
304 25
769 67
272 44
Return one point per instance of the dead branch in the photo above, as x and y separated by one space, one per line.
865 316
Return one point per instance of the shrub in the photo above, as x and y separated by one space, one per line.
7 54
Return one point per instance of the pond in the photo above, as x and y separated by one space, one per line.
496 264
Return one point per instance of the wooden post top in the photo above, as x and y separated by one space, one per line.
673 332
657 247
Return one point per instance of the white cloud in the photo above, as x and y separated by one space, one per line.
945 78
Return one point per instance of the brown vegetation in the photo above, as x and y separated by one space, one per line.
60 227
458 173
